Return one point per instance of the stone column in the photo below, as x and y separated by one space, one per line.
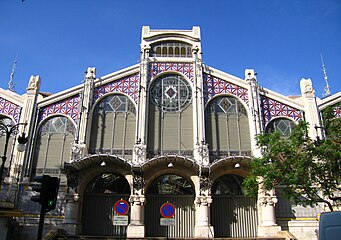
203 229
136 227
71 223
71 218
266 213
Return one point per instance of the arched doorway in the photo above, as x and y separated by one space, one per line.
178 191
99 198
233 214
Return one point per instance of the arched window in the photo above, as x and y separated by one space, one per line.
170 119
108 183
52 148
281 125
228 185
113 126
171 49
227 128
170 184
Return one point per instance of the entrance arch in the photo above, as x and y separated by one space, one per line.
233 214
178 191
100 195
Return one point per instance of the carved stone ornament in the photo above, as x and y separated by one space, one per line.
203 200
268 200
139 182
203 153
137 199
72 177
77 151
307 87
34 83
140 153
205 184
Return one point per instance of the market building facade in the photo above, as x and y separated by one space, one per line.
168 129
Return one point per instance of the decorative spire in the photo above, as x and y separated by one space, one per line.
11 76
326 90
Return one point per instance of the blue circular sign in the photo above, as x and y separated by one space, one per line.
121 207
167 210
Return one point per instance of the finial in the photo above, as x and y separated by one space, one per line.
326 90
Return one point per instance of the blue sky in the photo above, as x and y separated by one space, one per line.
282 40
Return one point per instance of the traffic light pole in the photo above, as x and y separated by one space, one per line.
41 222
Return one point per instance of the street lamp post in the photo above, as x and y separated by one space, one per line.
8 130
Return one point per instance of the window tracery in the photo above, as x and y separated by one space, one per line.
171 93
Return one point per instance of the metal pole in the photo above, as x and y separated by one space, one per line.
4 157
41 222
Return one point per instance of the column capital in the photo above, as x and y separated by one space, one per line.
137 199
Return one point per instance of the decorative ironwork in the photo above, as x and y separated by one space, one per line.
128 85
214 86
10 109
171 93
68 107
156 68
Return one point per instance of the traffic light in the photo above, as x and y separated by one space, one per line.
48 189
52 193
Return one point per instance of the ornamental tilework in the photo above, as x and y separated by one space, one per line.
272 108
128 85
10 109
214 86
337 111
157 67
69 107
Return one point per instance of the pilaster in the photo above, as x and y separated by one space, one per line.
139 154
28 115
255 119
311 112
79 147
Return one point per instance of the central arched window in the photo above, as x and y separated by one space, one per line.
170 116
227 128
171 93
113 126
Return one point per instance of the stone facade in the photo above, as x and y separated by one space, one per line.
165 117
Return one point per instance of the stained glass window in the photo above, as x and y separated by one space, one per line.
171 93
283 126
